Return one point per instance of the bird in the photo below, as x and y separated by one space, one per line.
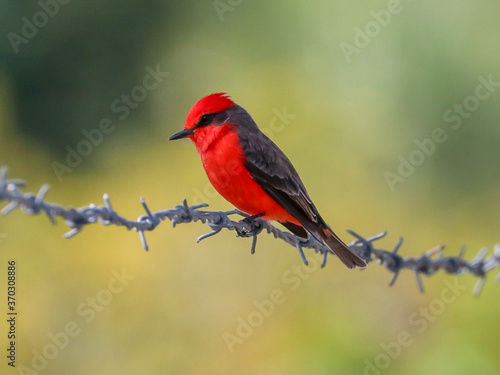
250 171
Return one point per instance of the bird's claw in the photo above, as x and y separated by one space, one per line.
251 227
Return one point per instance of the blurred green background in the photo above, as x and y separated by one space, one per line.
363 84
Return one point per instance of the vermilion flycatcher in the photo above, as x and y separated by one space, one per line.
252 173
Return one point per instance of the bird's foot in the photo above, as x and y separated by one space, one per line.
251 226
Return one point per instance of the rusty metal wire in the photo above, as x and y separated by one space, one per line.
427 264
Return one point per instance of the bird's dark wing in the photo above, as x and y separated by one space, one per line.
272 170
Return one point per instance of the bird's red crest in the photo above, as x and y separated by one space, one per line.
212 103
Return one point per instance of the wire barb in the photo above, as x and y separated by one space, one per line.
427 264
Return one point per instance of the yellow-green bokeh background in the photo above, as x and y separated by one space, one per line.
353 120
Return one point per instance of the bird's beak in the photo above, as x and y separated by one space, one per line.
182 134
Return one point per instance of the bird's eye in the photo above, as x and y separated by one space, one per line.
206 119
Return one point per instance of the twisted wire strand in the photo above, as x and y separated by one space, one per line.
427 264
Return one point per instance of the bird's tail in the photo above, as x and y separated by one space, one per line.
340 249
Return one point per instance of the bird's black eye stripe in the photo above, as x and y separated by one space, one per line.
205 120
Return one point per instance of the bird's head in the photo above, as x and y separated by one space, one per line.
206 119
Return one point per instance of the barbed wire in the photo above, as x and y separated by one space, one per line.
76 218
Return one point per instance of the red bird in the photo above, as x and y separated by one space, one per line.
253 174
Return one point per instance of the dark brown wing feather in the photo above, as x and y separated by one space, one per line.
295 229
272 170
